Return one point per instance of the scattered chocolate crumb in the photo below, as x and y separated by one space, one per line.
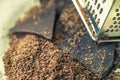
32 57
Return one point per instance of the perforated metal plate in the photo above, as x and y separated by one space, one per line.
111 27
97 16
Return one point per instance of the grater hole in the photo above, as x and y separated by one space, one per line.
93 32
117 10
116 30
111 30
115 26
118 18
103 1
118 14
93 12
101 10
107 30
88 3
114 18
96 2
98 6
95 16
119 22
111 26
90 7
98 21
115 22
85 0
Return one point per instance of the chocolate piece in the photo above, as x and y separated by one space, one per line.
40 24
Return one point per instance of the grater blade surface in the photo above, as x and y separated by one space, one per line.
101 18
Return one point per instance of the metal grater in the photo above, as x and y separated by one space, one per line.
101 18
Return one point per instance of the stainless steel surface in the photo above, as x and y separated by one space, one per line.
101 18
